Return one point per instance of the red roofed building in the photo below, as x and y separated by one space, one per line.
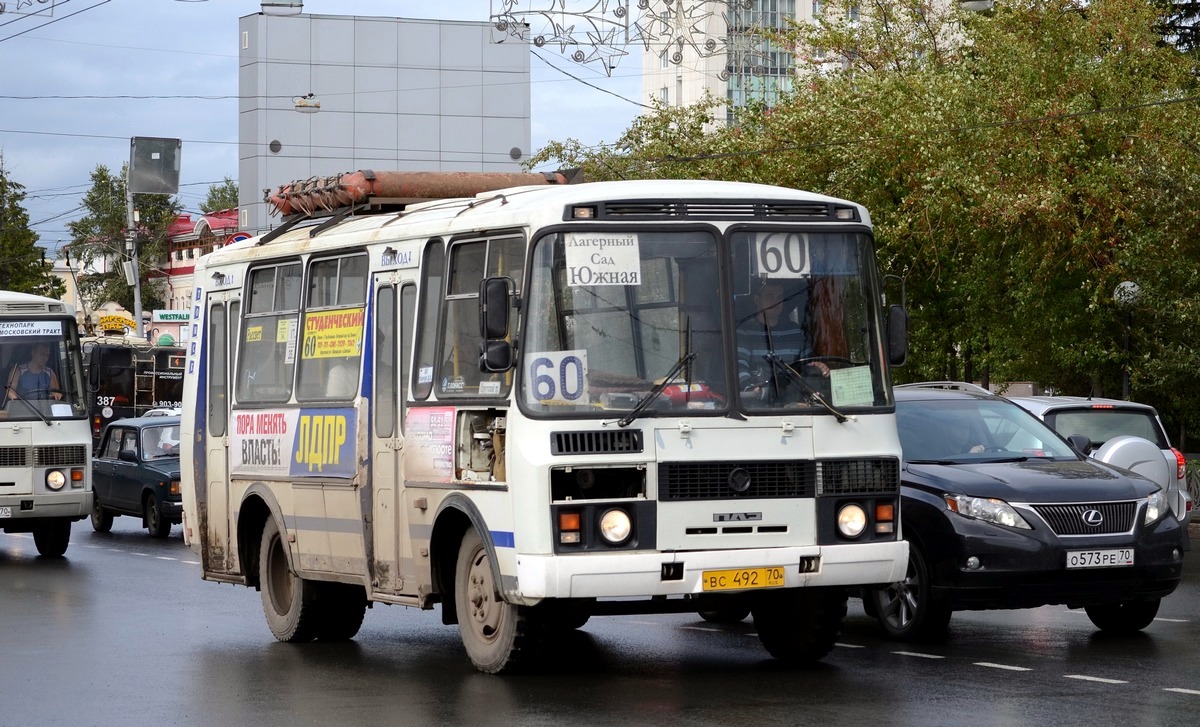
188 239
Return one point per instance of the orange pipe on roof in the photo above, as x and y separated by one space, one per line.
307 196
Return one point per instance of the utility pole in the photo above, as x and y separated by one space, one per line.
132 275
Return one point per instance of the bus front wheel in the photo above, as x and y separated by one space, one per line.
52 537
289 601
800 625
498 636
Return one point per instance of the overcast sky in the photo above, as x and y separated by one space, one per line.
172 48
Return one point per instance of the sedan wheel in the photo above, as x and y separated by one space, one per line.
102 520
907 610
158 526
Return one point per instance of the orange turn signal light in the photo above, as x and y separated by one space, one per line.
568 521
885 511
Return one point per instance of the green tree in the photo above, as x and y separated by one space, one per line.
99 241
23 264
1018 165
222 196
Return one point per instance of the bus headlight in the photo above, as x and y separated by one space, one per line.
852 520
55 480
615 526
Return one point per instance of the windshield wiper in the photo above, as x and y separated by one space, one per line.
28 404
657 391
779 363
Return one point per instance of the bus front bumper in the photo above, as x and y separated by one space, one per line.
609 575
16 509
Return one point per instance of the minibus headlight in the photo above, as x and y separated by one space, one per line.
55 480
852 520
615 526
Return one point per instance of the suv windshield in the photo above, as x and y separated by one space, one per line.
959 431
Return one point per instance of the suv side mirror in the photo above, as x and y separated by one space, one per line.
897 335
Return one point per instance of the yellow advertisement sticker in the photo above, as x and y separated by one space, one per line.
334 333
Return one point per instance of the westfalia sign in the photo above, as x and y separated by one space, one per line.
171 316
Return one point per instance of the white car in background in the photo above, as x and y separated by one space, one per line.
1118 432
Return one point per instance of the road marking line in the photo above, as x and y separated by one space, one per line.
191 562
1181 691
992 665
849 646
1102 680
918 654
1171 620
163 557
699 628
141 555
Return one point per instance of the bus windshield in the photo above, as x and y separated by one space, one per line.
625 321
41 380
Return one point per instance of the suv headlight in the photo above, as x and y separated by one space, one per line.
987 509
1156 507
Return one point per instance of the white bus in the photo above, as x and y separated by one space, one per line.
525 405
45 445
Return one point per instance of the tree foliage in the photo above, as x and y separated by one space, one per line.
1018 165
23 264
99 241
222 196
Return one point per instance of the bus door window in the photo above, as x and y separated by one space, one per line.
218 372
470 262
270 334
432 273
332 337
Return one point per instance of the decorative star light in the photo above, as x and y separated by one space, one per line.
599 31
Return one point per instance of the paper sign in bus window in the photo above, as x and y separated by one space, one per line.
852 386
596 258
333 334
782 254
31 328
557 377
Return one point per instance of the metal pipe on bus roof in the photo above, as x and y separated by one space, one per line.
307 196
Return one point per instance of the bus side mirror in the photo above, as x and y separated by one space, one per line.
496 356
495 302
897 335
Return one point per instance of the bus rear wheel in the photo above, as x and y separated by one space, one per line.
52 537
342 607
289 601
498 636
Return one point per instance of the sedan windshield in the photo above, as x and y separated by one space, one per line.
953 431
160 442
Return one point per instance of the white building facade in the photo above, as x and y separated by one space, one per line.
323 94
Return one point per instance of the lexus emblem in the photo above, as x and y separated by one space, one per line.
1092 518
738 480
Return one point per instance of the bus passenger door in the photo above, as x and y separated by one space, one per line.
392 564
213 501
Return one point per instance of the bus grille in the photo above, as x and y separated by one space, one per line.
735 480
1068 519
63 455
596 442
781 479
14 456
717 209
859 477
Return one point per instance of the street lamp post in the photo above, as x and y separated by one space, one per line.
1126 295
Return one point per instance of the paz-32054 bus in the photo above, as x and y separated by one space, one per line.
45 447
534 402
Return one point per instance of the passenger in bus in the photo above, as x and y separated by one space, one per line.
343 380
35 379
768 330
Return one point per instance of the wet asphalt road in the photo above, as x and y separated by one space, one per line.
123 631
